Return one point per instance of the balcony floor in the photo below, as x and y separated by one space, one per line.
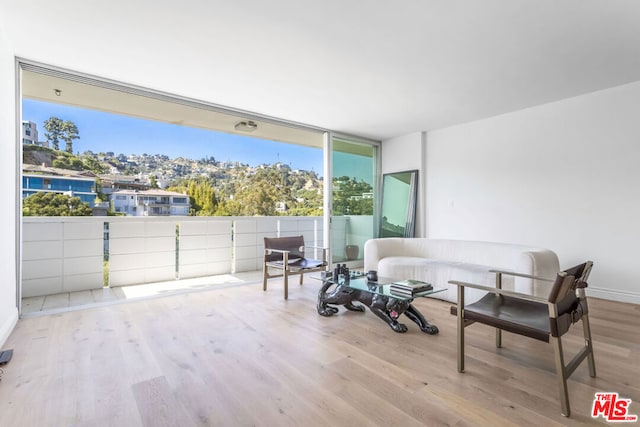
58 303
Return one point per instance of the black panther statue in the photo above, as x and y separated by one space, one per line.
386 308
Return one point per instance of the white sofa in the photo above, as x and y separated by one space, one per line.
437 261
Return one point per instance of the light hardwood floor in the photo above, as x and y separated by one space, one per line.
240 356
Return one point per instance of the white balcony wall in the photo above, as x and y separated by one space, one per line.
141 250
350 230
205 246
340 225
359 229
246 243
61 254
309 227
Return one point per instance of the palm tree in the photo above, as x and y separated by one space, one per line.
54 127
70 132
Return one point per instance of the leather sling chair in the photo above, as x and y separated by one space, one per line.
544 319
286 255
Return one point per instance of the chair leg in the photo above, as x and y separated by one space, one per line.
286 284
499 331
264 277
561 374
460 329
588 343
301 276
285 273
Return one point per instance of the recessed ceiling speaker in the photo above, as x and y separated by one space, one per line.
248 126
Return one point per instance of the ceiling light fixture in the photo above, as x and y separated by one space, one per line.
58 92
248 126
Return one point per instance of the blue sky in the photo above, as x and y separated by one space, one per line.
102 132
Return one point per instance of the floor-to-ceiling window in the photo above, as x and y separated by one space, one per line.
130 152
350 183
354 190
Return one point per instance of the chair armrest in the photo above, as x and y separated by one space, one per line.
314 247
282 251
498 291
528 276
324 252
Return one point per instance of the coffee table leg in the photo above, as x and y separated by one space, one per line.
426 327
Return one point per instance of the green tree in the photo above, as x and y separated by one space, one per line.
348 197
228 207
100 196
69 133
202 196
243 191
55 131
153 182
205 197
76 164
258 199
52 204
90 163
61 163
308 203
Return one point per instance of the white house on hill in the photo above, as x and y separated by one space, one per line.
150 203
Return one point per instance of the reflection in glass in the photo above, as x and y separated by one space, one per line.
399 193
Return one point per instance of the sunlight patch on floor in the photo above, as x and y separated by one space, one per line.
153 289
60 303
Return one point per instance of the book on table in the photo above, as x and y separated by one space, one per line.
409 287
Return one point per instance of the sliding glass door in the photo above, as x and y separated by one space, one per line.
353 196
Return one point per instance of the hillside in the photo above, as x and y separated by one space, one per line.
35 155
236 188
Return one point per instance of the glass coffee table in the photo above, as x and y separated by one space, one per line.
378 296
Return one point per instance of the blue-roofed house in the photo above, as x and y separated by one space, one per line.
36 179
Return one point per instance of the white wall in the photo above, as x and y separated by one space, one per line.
564 175
8 309
406 153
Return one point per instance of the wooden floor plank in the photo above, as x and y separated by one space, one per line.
241 356
158 406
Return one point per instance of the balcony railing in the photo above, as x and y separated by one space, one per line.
67 254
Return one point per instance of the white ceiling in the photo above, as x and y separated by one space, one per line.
378 69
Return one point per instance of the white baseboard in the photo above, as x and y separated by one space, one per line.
614 295
7 326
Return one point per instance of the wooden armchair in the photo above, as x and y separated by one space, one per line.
544 319
286 255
